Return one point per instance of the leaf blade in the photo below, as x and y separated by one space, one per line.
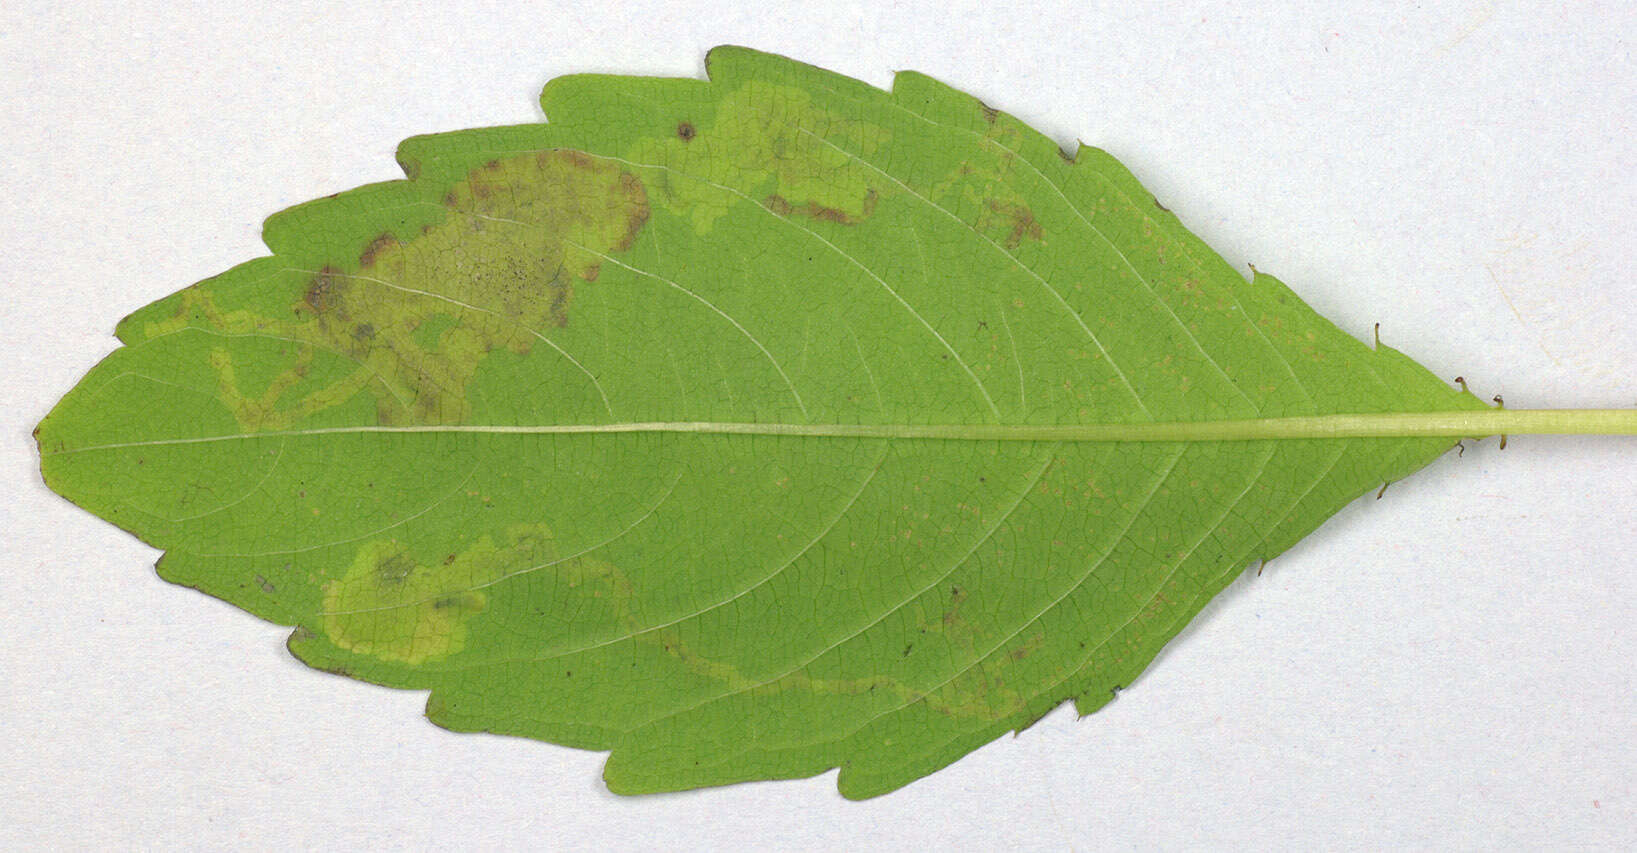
625 238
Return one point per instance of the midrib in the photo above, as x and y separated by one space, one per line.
1455 424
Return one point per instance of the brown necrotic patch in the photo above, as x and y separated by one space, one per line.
813 210
685 131
1017 220
367 257
319 297
498 272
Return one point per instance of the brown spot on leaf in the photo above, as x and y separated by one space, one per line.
577 159
685 131
828 214
812 209
368 256
637 212
559 304
1022 221
321 293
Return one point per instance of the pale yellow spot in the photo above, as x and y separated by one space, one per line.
390 607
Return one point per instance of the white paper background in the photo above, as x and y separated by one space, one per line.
1451 666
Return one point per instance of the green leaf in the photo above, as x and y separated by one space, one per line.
744 428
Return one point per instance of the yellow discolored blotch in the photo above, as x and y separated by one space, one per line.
389 606
769 143
412 316
499 272
393 606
